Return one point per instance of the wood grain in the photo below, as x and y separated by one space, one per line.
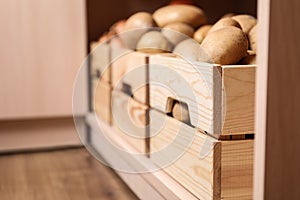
136 75
209 168
102 100
45 44
118 62
192 84
100 60
237 169
220 98
68 174
261 97
281 69
194 173
238 99
129 120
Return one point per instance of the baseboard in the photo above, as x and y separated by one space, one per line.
38 134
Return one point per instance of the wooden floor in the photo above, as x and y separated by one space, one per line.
59 175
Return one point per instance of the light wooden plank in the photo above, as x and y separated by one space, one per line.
261 97
136 75
237 169
100 60
191 83
118 62
238 99
209 168
102 100
220 99
280 95
179 153
129 120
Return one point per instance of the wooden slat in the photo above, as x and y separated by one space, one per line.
192 84
277 147
220 98
118 61
194 172
237 169
136 75
238 99
102 100
261 97
129 120
100 60
209 168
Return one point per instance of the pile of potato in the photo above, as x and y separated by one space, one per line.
231 40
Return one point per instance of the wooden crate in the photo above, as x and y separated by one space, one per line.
209 168
136 76
102 100
130 71
220 98
99 60
129 119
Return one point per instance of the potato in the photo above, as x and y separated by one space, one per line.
223 23
187 14
176 32
253 38
188 49
139 20
246 22
181 113
201 33
228 15
135 27
225 46
118 27
104 38
153 42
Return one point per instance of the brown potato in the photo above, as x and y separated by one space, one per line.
187 14
118 27
253 38
188 49
176 32
201 33
153 42
246 22
228 15
135 27
223 23
225 46
139 20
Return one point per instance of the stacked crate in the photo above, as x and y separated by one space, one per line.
210 152
118 101
213 145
